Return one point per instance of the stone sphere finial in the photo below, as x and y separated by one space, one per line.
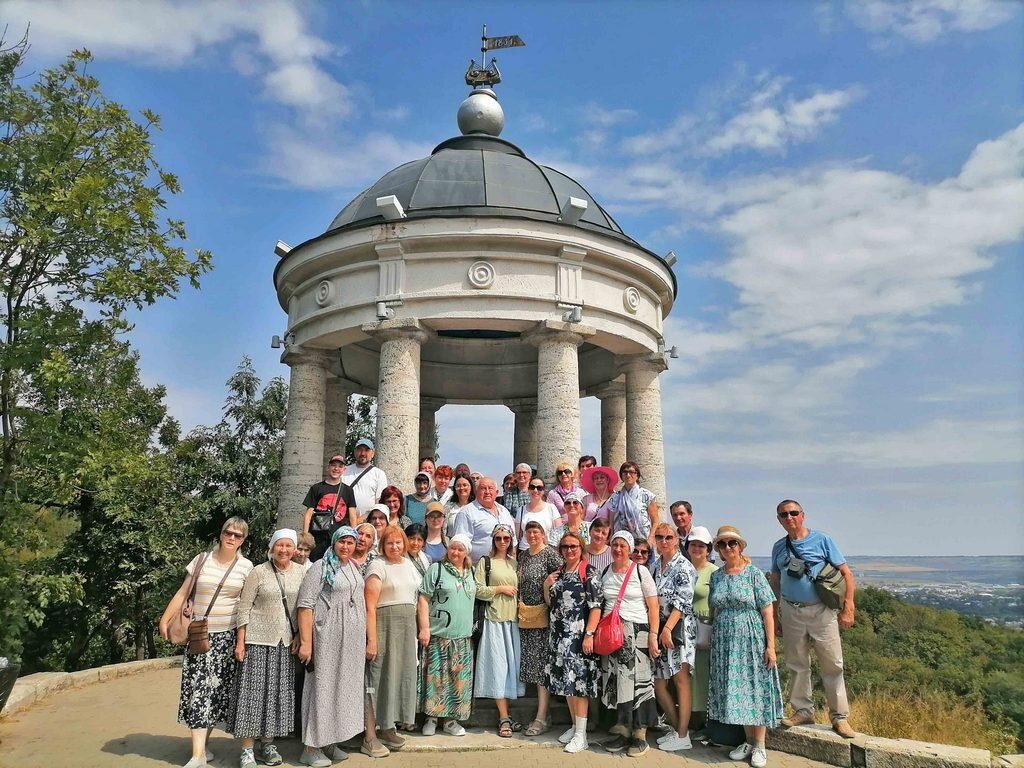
481 113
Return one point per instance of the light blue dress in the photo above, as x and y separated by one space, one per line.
742 690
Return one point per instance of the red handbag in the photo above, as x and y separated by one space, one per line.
608 637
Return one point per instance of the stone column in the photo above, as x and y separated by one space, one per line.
302 455
336 416
524 443
644 441
613 424
558 393
428 426
398 398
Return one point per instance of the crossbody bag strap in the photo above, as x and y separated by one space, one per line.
284 600
807 572
622 589
219 587
359 477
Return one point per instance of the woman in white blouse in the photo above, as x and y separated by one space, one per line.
537 510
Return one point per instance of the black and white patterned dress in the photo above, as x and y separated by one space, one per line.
676 582
533 570
570 672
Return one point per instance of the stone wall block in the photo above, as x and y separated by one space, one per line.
876 752
817 742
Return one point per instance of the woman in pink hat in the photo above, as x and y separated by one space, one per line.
599 483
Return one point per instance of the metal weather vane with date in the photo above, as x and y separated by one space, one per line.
488 74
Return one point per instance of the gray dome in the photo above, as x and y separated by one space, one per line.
477 175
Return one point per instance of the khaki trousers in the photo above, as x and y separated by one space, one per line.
803 628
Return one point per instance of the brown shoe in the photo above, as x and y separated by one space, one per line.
840 726
389 738
798 718
373 748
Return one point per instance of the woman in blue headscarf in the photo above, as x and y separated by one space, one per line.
332 645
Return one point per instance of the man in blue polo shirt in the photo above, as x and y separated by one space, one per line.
805 622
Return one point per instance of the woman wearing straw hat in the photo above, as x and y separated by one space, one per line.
744 686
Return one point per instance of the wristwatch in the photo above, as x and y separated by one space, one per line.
589 634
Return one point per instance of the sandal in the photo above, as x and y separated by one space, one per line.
505 728
537 727
516 725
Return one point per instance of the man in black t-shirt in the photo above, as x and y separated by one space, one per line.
329 505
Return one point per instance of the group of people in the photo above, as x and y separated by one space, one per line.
391 612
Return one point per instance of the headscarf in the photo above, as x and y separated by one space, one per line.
463 539
330 558
282 533
627 537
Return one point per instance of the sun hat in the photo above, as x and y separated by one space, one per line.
587 478
434 506
699 533
729 532
626 536
365 442
462 539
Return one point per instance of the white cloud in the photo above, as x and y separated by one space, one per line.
606 117
925 21
764 120
306 160
268 39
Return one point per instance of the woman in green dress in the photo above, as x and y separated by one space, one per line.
698 549
744 686
445 618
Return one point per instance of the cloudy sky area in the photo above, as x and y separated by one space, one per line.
842 182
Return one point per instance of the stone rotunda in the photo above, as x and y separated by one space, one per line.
473 275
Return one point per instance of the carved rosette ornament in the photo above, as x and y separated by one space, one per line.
324 293
481 274
631 300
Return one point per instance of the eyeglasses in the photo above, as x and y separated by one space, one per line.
663 537
791 513
728 544
564 472
570 502
536 487
233 534
569 547
629 471
641 551
503 538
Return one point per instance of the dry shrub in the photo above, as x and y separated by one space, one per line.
927 716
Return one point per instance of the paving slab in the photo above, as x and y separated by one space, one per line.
130 722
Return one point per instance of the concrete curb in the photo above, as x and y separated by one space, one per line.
32 688
819 742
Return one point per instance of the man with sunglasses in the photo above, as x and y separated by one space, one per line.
805 622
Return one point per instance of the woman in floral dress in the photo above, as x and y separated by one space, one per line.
676 578
744 687
534 565
573 593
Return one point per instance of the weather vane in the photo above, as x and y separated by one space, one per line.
489 74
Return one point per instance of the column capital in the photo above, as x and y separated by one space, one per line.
558 330
611 389
431 405
522 405
654 361
297 355
398 328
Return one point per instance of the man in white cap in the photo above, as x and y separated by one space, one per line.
805 622
478 518
366 481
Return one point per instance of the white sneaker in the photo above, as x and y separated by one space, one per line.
429 726
566 737
452 728
758 758
674 743
742 752
577 743
666 736
338 754
315 759
209 756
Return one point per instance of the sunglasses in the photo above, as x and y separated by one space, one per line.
233 534
663 537
564 472
569 547
791 513
638 552
729 544
503 538
629 471
536 487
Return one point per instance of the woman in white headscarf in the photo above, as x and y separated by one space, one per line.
263 705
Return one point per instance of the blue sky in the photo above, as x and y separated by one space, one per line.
842 182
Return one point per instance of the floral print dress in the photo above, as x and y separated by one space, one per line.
676 581
742 690
533 569
570 672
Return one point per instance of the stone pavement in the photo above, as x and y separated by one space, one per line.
129 722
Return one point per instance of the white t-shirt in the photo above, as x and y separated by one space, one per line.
548 517
398 581
634 607
368 490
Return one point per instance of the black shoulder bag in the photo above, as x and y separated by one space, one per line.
829 584
480 606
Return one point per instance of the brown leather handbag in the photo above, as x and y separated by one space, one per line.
177 627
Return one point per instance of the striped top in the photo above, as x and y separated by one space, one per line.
224 614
